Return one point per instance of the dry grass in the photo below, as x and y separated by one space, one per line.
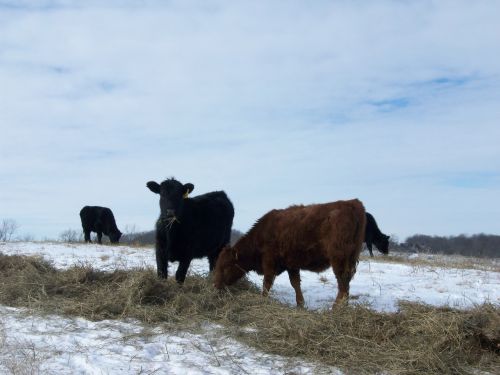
18 357
417 340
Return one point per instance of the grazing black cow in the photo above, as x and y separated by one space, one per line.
189 227
100 220
373 235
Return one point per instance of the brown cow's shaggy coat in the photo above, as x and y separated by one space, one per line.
310 237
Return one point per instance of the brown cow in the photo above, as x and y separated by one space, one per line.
299 237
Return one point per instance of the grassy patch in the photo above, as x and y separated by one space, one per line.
417 340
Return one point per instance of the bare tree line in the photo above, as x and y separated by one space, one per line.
477 245
8 228
148 237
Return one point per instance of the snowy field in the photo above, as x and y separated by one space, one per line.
71 345
55 345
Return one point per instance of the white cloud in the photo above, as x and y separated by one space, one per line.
276 105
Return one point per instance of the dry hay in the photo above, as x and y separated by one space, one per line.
418 339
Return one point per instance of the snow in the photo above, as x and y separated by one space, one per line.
79 346
74 345
382 285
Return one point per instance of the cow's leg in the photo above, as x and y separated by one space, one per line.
87 235
212 260
180 275
99 238
343 275
369 241
269 273
268 283
294 276
161 262
162 250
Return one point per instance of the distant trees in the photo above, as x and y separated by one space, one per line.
138 238
478 245
7 229
71 236
148 237
235 236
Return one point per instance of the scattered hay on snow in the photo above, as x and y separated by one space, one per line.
416 340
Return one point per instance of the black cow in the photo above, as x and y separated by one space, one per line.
189 227
373 235
100 220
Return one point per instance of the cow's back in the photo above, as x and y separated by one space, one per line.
213 215
345 225
204 228
371 226
92 215
305 236
212 206
89 216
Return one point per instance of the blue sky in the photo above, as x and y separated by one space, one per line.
277 103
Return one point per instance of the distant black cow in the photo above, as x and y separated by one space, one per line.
189 227
100 220
373 235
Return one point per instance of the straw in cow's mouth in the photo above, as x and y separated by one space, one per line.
172 221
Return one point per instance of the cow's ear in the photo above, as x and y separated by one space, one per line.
154 187
188 188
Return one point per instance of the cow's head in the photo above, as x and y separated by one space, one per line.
114 237
227 269
382 243
172 195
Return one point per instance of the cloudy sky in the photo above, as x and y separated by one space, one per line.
396 103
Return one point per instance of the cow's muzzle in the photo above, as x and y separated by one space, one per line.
169 213
168 221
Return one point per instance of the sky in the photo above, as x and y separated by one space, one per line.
277 103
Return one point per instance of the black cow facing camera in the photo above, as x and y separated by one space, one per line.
189 228
100 220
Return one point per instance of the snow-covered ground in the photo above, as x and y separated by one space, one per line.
57 345
65 345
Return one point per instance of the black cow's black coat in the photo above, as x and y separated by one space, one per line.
373 235
190 227
100 220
